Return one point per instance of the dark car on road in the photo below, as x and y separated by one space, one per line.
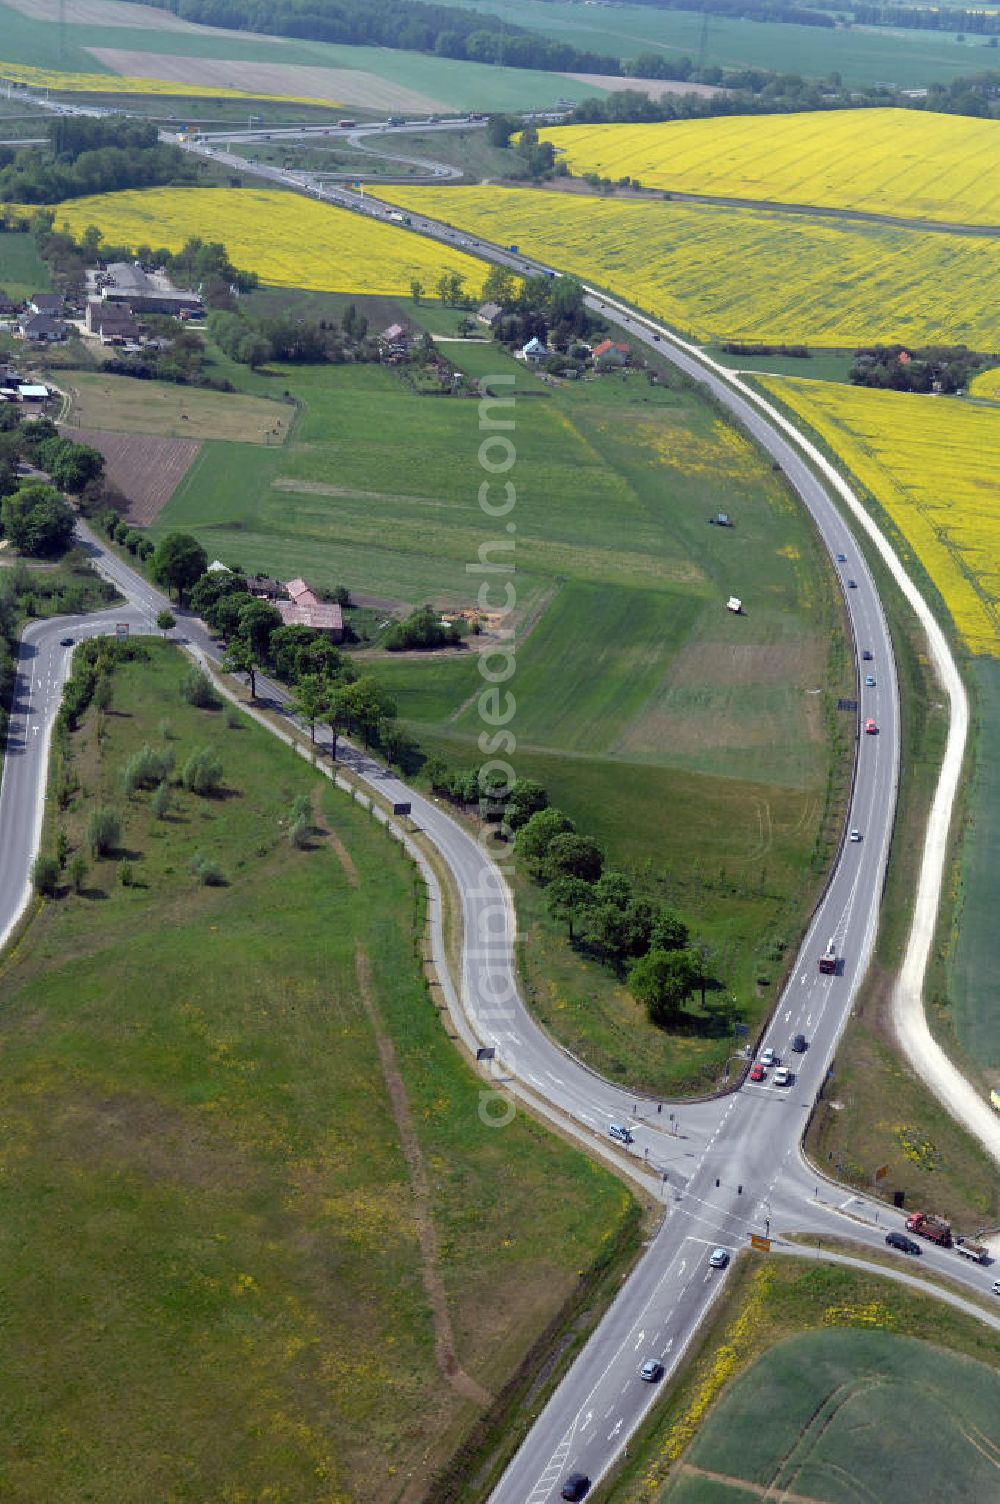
799 1044
902 1242
576 1486
65 642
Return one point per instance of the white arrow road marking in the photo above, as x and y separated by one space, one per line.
615 1429
640 1340
586 1420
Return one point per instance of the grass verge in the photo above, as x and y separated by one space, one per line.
212 1227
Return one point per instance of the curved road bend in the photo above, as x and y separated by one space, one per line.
734 1166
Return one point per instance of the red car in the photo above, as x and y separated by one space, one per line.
870 728
757 1072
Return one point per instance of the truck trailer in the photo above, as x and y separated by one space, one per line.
974 1251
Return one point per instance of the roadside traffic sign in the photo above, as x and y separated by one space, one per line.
763 1244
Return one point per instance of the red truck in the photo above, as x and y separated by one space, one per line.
933 1228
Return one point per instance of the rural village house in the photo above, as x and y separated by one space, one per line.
535 351
45 302
609 353
305 609
41 328
490 314
115 323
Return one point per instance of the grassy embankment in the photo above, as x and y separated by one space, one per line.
770 1397
231 1235
696 746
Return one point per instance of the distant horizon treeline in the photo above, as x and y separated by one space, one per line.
410 25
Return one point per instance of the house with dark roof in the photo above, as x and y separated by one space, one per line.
46 302
41 328
114 323
264 588
147 292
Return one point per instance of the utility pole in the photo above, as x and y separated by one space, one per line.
703 43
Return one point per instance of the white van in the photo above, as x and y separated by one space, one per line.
621 1132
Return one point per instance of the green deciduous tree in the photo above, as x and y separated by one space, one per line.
179 560
572 855
240 659
308 698
37 520
537 835
662 981
570 899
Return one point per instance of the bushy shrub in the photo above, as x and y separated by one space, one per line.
197 688
207 871
160 802
147 768
45 875
104 831
202 773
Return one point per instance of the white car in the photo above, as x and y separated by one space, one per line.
719 1258
855 834
782 1076
768 1057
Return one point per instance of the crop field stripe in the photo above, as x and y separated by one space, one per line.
746 274
906 163
288 240
932 463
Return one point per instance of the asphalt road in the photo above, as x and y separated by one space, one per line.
726 1168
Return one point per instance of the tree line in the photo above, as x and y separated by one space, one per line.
607 919
91 156
326 687
443 30
898 368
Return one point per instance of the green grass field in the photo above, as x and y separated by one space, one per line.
22 270
446 83
694 744
124 405
213 1286
974 953
860 55
833 1384
841 1415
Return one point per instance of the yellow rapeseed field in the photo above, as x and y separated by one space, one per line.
746 274
116 83
904 163
986 385
287 240
933 463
